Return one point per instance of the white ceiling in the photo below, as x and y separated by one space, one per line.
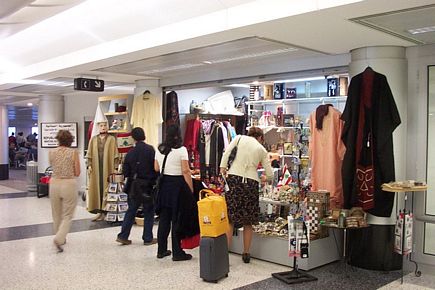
126 40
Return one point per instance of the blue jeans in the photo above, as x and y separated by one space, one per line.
148 211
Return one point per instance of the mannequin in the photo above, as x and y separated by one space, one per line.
102 157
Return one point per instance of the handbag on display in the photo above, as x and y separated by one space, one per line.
233 154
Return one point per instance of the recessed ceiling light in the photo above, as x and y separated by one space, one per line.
207 62
29 104
300 80
420 30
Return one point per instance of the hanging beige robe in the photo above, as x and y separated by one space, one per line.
326 150
110 158
147 114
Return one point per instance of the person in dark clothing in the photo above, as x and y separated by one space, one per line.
140 162
175 184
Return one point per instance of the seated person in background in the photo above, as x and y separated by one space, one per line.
33 151
21 141
12 153
21 156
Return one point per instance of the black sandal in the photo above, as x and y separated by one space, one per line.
246 257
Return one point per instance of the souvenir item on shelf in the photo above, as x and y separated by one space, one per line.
332 87
288 148
267 119
307 90
290 93
254 93
192 107
277 227
288 120
254 120
268 92
278 91
279 116
317 208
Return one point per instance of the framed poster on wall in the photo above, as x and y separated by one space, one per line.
49 132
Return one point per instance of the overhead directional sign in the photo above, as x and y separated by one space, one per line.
91 85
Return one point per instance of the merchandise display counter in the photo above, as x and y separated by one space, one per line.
275 249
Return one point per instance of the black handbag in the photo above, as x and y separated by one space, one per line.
142 190
233 154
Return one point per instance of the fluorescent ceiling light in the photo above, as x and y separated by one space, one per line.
172 68
238 86
29 104
254 55
300 80
219 61
43 83
420 30
120 88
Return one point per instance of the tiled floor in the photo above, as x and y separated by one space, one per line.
93 260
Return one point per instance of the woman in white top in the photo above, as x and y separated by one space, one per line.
242 199
176 179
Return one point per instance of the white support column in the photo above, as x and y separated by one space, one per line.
390 61
50 109
4 144
154 87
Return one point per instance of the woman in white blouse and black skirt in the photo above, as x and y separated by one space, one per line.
242 198
176 181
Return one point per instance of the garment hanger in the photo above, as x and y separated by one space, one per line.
145 95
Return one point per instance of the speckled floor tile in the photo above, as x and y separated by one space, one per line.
17 195
31 210
17 180
41 230
93 260
7 189
410 281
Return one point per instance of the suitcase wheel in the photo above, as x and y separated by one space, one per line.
210 281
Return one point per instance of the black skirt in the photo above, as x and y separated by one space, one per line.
242 201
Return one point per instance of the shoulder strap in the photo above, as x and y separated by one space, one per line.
240 137
164 162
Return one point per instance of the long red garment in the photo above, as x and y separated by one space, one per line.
326 151
191 139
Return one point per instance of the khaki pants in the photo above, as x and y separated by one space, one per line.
63 196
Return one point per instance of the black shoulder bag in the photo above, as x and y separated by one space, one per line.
233 154
141 189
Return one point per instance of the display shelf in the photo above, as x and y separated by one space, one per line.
275 202
112 98
115 113
117 131
297 100
268 128
274 249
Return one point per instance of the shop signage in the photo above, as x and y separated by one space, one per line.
91 85
49 132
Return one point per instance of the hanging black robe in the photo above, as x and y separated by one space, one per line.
368 137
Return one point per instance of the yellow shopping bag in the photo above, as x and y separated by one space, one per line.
213 215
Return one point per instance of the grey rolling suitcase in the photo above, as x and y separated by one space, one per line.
213 258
